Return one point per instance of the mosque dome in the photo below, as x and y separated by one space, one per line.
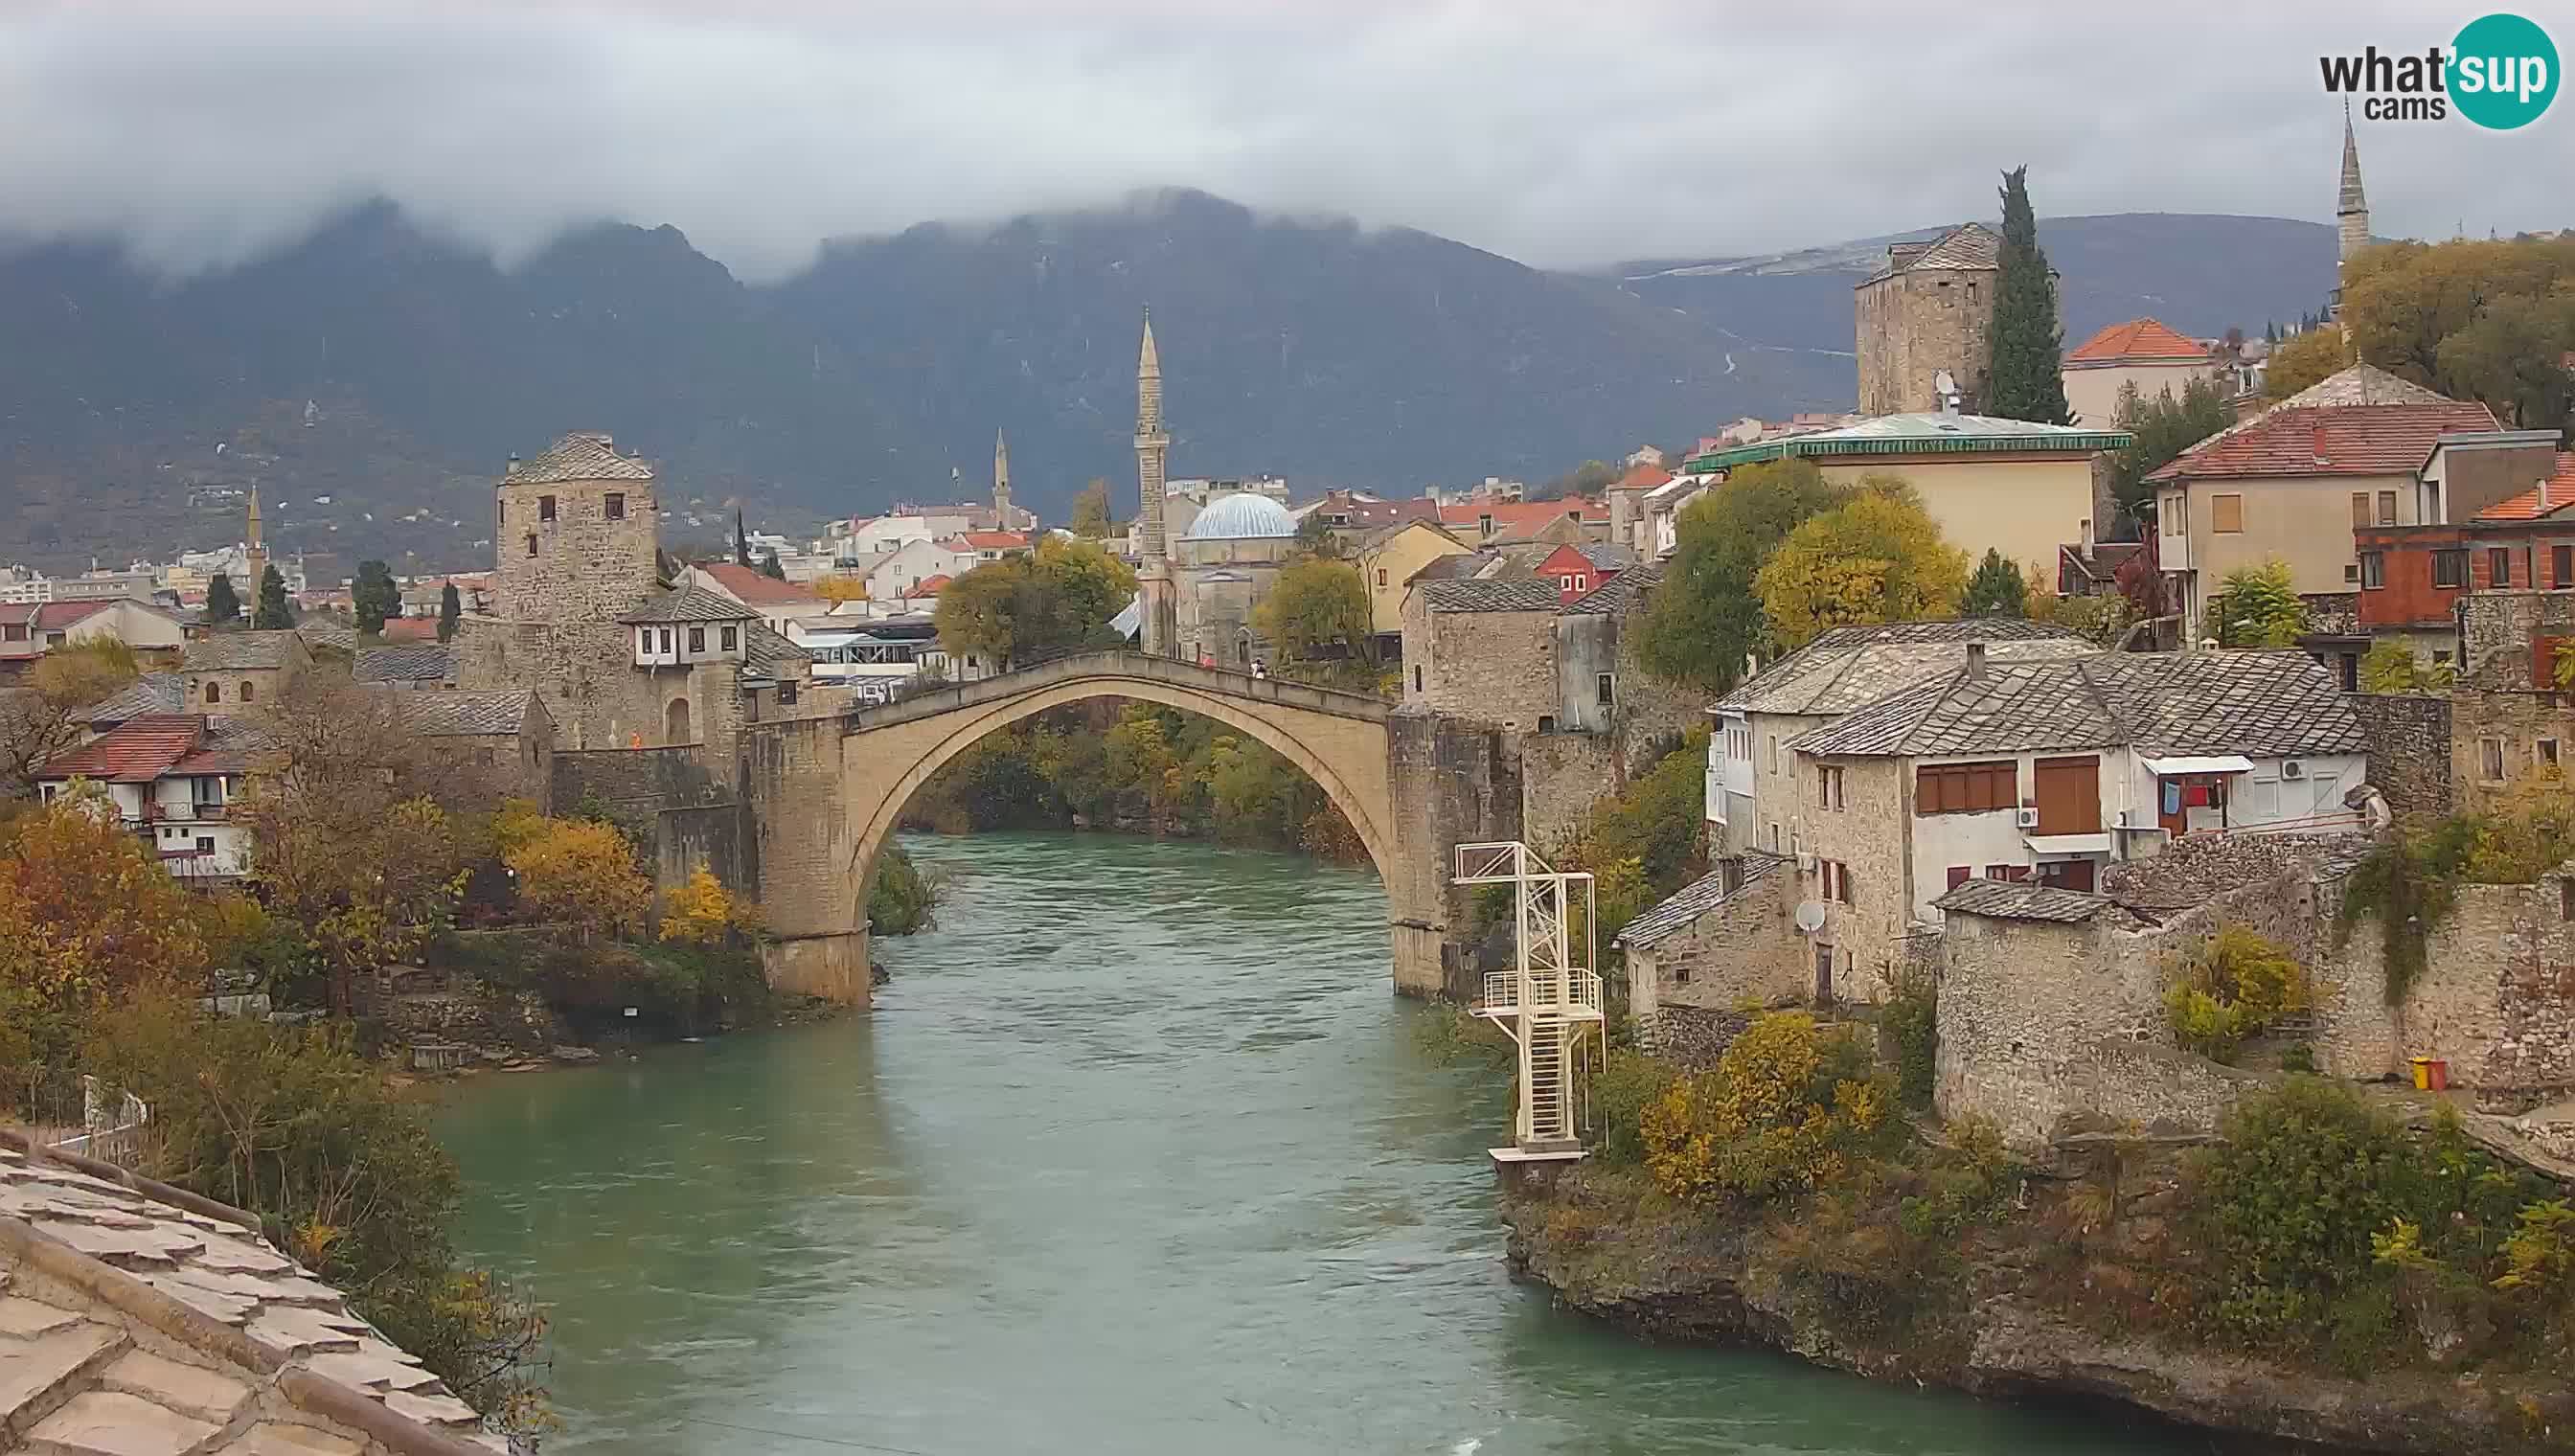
1243 517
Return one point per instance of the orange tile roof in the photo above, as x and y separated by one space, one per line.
2547 498
2137 339
1519 518
752 588
137 750
1643 478
410 628
993 540
2334 440
928 585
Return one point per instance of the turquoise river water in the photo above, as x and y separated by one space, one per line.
1137 1153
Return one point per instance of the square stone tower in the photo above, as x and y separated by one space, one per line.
1930 308
576 534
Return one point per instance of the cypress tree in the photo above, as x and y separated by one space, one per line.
770 567
1997 589
2026 375
450 610
741 541
271 614
223 604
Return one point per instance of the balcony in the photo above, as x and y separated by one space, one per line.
1502 994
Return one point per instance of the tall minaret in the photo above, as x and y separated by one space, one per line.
1001 482
255 551
2351 212
1153 578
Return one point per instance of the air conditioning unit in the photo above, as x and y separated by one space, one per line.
2292 768
2027 818
1805 862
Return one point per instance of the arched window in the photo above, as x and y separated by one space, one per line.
675 723
249 690
214 691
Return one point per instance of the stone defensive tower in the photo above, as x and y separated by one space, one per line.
2351 213
575 533
1157 627
1929 311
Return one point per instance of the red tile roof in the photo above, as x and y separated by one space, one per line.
993 540
55 616
928 585
2137 339
138 751
2344 440
1518 517
1644 476
411 628
2543 500
753 589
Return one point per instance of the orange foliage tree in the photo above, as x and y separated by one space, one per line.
581 871
86 915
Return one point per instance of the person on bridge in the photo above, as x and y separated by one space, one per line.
1260 668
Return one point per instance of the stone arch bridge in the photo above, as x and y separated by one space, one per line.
821 794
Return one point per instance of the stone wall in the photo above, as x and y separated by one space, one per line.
2409 750
1912 325
1693 1037
2022 1005
1742 950
1451 781
2496 999
2498 631
1562 775
585 568
1871 836
695 821
2527 730
1496 666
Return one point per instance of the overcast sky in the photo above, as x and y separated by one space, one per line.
1556 134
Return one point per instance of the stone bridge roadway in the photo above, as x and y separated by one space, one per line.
823 794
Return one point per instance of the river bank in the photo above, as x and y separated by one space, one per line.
2052 1298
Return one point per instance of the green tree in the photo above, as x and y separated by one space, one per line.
451 613
2164 428
1315 604
1997 589
2403 301
1059 597
2259 606
1315 536
770 567
1876 558
1091 510
273 613
223 604
374 595
2302 360
2512 356
2025 380
2392 666
1706 621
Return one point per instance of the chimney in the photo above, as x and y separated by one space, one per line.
1975 660
2543 495
2321 457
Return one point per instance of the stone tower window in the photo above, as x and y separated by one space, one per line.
616 504
214 692
545 508
249 690
532 543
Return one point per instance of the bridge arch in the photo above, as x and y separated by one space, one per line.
825 794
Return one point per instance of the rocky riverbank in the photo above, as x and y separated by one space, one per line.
2052 1298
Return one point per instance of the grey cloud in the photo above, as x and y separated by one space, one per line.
1560 135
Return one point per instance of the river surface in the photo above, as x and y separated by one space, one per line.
1138 1153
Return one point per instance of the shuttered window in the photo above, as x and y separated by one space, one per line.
2226 514
1946 788
2360 509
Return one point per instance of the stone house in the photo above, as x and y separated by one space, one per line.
1844 669
2052 1000
236 672
2011 486
405 665
2051 770
2348 448
1500 522
1724 942
1483 648
1659 532
2144 353
502 734
1387 560
1928 312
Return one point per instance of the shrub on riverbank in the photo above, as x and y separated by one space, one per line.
902 899
677 988
1790 1104
290 1123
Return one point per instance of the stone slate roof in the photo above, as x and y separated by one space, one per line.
462 715
580 456
238 651
151 692
768 654
405 663
1496 594
688 603
1695 899
2256 704
1848 667
1623 594
135 1318
2004 900
1969 245
324 631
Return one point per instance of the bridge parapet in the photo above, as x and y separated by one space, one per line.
1076 666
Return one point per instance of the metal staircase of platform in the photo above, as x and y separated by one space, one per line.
1549 1001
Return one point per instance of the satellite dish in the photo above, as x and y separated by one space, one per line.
1811 918
1945 382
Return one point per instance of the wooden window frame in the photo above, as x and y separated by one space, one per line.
1987 786
2222 509
616 504
2361 514
2499 567
2561 565
545 508
2456 558
2373 571
2387 507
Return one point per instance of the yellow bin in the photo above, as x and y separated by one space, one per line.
2431 1074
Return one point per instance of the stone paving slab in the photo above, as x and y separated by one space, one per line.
37 1367
269 1438
112 1423
25 1319
188 1389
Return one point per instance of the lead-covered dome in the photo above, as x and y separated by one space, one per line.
1244 517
